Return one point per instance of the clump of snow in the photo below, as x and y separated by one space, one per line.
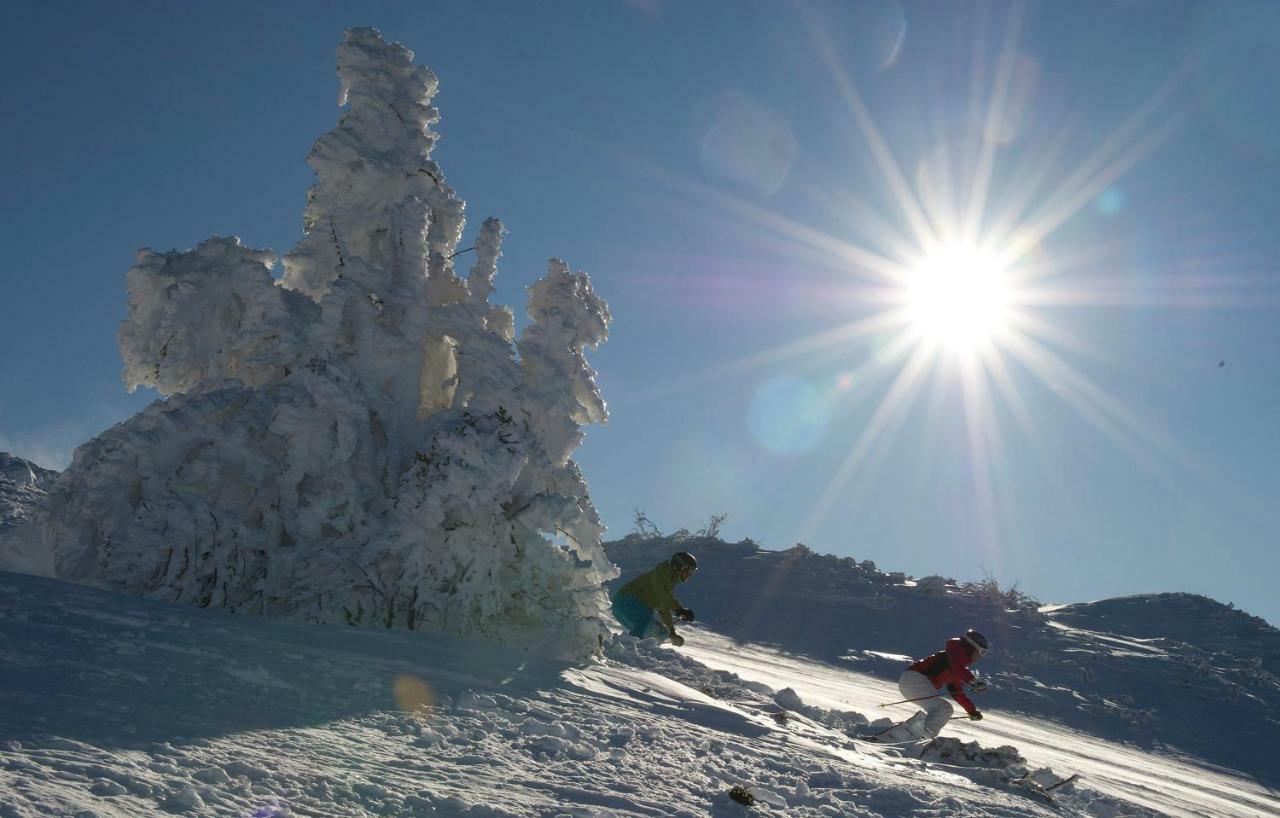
357 442
789 699
971 754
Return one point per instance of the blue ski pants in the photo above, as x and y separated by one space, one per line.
637 618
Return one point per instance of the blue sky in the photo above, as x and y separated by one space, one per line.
732 175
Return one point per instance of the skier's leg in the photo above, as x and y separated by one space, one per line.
939 711
654 629
633 615
915 685
914 726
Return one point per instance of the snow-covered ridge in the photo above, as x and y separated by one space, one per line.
23 486
1190 617
1205 685
358 442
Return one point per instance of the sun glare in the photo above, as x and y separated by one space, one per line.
958 298
956 293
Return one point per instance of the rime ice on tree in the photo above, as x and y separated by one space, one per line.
357 442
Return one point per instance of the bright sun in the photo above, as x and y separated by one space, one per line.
958 298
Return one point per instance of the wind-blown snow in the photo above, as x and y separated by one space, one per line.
357 442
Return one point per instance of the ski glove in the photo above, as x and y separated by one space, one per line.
677 639
979 685
685 614
975 716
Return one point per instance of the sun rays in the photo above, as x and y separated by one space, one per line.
972 293
969 299
956 286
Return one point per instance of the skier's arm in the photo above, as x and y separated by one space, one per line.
957 693
665 615
667 602
958 659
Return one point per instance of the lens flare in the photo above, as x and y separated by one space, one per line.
413 694
788 415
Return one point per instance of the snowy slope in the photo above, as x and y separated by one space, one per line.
1172 672
1169 783
120 706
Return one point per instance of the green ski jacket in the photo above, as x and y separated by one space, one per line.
656 590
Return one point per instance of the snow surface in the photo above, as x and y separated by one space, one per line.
116 705
1171 784
363 441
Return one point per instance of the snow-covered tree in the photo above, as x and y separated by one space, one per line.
357 442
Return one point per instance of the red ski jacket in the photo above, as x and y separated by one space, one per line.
950 667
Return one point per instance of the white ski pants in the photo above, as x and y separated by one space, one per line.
915 685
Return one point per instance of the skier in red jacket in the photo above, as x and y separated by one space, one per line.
924 679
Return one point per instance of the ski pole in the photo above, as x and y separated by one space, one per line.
917 699
885 730
1066 780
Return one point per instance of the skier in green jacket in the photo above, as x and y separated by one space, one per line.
645 606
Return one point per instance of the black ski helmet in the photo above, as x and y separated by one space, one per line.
977 641
683 559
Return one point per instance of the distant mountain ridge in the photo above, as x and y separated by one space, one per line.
1168 670
1149 616
23 486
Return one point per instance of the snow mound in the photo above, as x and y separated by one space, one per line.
970 754
358 442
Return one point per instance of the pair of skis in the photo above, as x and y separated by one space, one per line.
875 737
1025 782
